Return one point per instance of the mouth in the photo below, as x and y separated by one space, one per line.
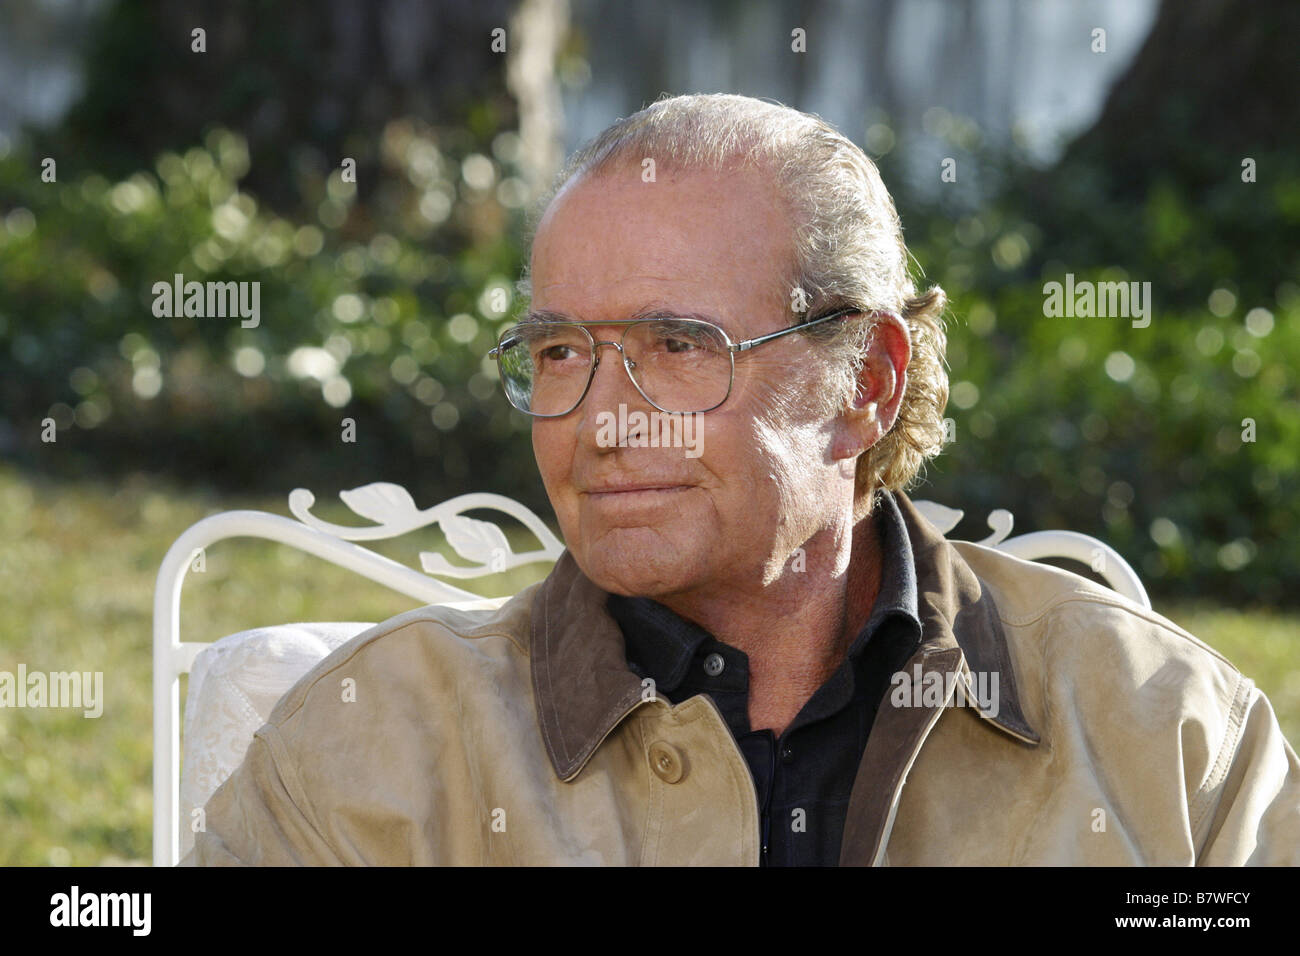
631 491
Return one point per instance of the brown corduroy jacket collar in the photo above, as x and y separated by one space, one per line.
584 688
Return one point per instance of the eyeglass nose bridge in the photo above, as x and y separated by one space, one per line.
628 365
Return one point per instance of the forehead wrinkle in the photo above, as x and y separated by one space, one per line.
774 299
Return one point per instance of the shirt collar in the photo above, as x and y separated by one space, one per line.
583 686
658 642
897 594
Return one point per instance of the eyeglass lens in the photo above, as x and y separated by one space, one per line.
680 365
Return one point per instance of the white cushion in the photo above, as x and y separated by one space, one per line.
235 683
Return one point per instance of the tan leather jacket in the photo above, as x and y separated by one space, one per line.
520 736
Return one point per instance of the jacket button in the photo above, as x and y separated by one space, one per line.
666 762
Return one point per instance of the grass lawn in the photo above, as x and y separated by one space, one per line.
77 570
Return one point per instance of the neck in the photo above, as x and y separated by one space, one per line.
797 629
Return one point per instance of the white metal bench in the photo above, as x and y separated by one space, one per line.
236 681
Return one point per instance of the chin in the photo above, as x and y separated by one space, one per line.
625 562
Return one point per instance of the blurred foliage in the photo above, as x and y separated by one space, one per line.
380 313
1189 180
300 80
1138 436
378 305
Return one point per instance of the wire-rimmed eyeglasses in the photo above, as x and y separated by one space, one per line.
679 365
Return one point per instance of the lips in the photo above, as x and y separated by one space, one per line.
633 489
629 484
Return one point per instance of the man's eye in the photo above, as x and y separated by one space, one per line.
679 345
556 353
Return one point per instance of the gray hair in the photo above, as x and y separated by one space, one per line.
848 243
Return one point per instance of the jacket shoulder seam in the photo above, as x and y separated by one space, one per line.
300 691
1243 691
1138 612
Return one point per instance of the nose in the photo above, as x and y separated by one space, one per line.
611 386
610 382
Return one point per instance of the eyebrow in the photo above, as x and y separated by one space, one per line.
539 316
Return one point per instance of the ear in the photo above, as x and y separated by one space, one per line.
880 387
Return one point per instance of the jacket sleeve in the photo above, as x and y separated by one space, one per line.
260 815
1257 817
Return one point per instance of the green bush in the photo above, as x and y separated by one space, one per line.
381 313
1177 443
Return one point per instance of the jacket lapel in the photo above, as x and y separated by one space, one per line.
960 633
581 682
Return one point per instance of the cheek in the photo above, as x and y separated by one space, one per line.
553 458
784 466
790 455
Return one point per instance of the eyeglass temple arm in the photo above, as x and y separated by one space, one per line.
750 343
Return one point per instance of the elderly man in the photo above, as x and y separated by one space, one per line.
753 650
